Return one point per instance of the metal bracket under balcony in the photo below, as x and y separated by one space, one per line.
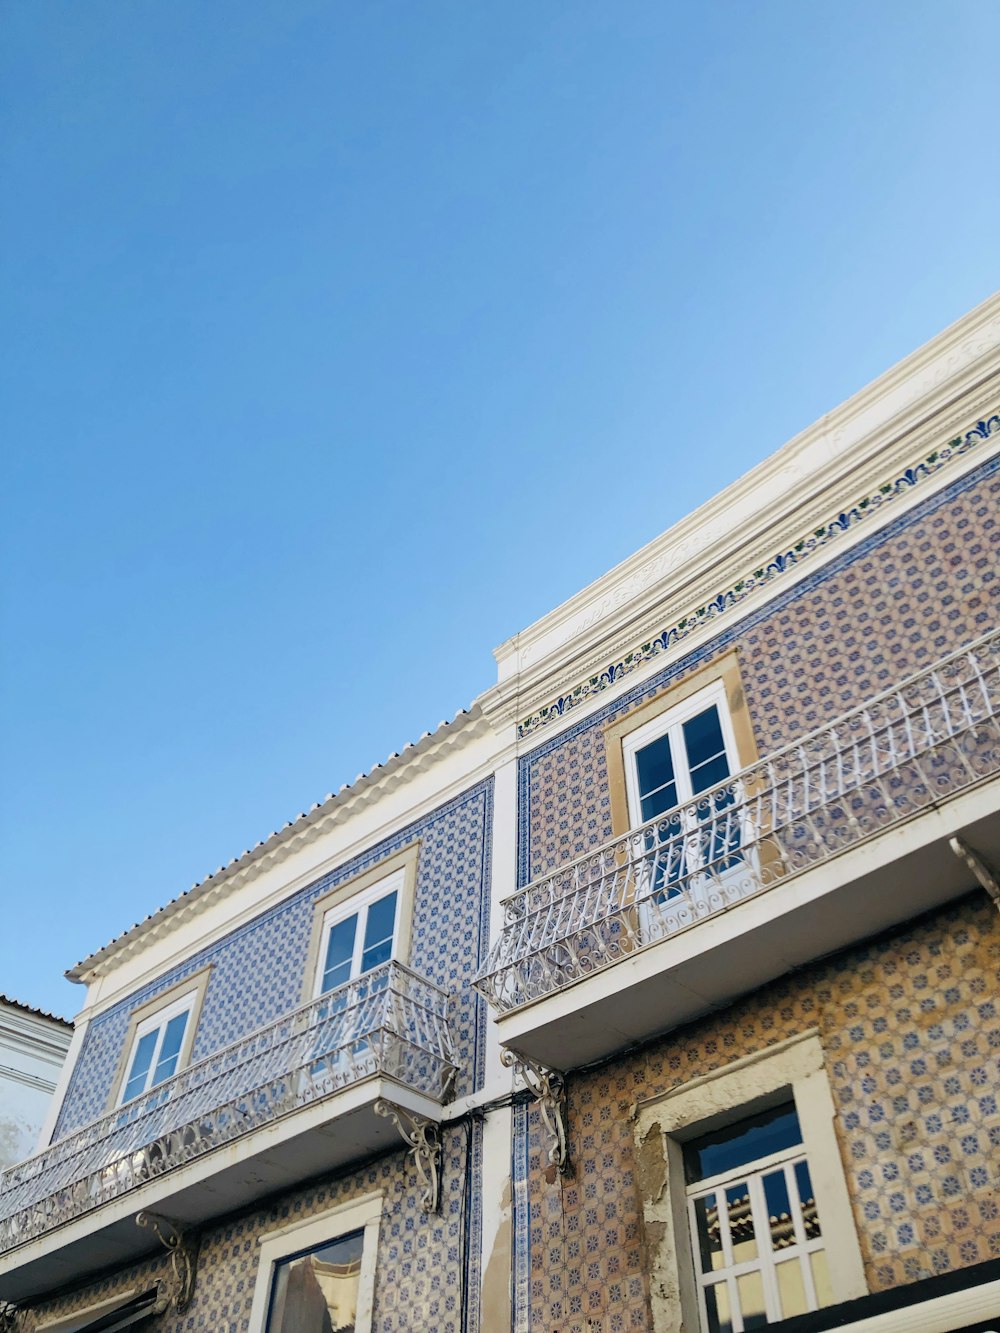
291 1101
821 844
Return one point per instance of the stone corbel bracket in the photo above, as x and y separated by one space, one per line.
423 1139
984 873
177 1291
548 1087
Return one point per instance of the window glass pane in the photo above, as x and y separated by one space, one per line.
750 1294
379 928
339 952
655 771
779 1210
741 1225
706 750
821 1278
706 1214
141 1061
809 1214
717 1308
171 1049
746 1141
792 1289
317 1292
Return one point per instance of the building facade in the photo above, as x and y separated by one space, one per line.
656 991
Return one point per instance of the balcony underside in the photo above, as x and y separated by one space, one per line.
313 1141
882 882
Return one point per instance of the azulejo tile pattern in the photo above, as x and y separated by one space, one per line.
258 970
427 1268
781 564
918 588
910 1027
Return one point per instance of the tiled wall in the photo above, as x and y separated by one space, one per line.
258 970
909 594
910 1027
427 1274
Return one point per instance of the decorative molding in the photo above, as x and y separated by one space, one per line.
927 397
983 871
548 1087
423 1138
780 565
177 1290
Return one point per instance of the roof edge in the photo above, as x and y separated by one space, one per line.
363 789
35 1012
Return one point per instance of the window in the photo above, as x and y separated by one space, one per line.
680 754
362 923
683 756
746 1195
156 1049
160 1038
758 1246
668 762
359 935
316 1291
318 1275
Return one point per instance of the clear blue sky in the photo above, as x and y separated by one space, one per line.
342 340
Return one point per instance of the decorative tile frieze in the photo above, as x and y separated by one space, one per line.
779 566
907 594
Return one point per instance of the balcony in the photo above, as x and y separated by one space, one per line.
292 1100
821 844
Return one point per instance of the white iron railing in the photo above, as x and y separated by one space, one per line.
388 1022
907 749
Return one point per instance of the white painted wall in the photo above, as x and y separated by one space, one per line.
33 1048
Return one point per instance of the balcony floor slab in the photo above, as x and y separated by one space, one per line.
313 1141
889 879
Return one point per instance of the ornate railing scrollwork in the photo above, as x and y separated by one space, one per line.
902 752
423 1138
182 1246
548 1087
12 1318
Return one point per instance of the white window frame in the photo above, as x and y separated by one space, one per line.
358 905
672 721
184 1004
698 887
790 1070
364 1214
766 1263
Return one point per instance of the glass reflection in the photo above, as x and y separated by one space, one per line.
317 1292
750 1293
792 1289
717 1309
709 1233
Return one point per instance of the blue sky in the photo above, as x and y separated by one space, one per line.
342 341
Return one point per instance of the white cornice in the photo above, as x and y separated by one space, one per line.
147 957
908 411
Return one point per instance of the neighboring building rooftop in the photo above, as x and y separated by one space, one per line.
35 1013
